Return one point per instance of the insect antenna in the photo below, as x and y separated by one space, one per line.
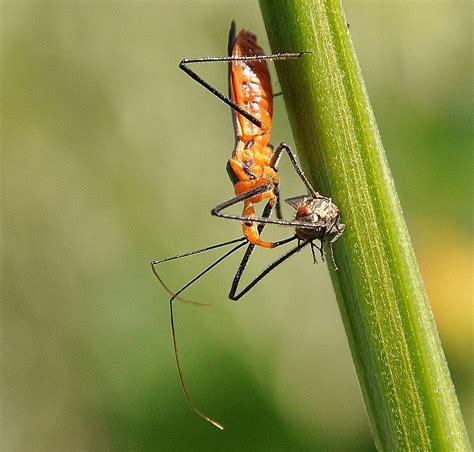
179 256
167 289
175 296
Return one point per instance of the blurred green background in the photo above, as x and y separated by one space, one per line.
111 157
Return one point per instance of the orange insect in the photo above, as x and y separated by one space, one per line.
251 165
252 169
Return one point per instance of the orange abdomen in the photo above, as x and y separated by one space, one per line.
251 89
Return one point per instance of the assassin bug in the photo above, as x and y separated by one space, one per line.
252 169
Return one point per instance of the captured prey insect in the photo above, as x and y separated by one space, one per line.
253 169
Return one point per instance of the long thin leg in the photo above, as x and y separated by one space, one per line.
279 214
184 66
201 250
256 191
175 295
187 396
242 266
313 253
208 268
235 297
243 263
276 159
274 164
179 256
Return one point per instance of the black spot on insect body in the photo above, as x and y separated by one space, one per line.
247 165
249 144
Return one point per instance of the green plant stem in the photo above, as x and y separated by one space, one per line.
402 370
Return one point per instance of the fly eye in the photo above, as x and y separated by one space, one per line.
304 211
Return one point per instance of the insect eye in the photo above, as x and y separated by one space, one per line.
304 211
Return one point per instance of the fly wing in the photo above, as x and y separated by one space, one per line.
297 201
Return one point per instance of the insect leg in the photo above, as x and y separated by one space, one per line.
331 243
175 296
276 158
276 190
184 65
243 263
217 211
313 253
235 297
179 256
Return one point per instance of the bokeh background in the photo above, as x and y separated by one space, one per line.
111 156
